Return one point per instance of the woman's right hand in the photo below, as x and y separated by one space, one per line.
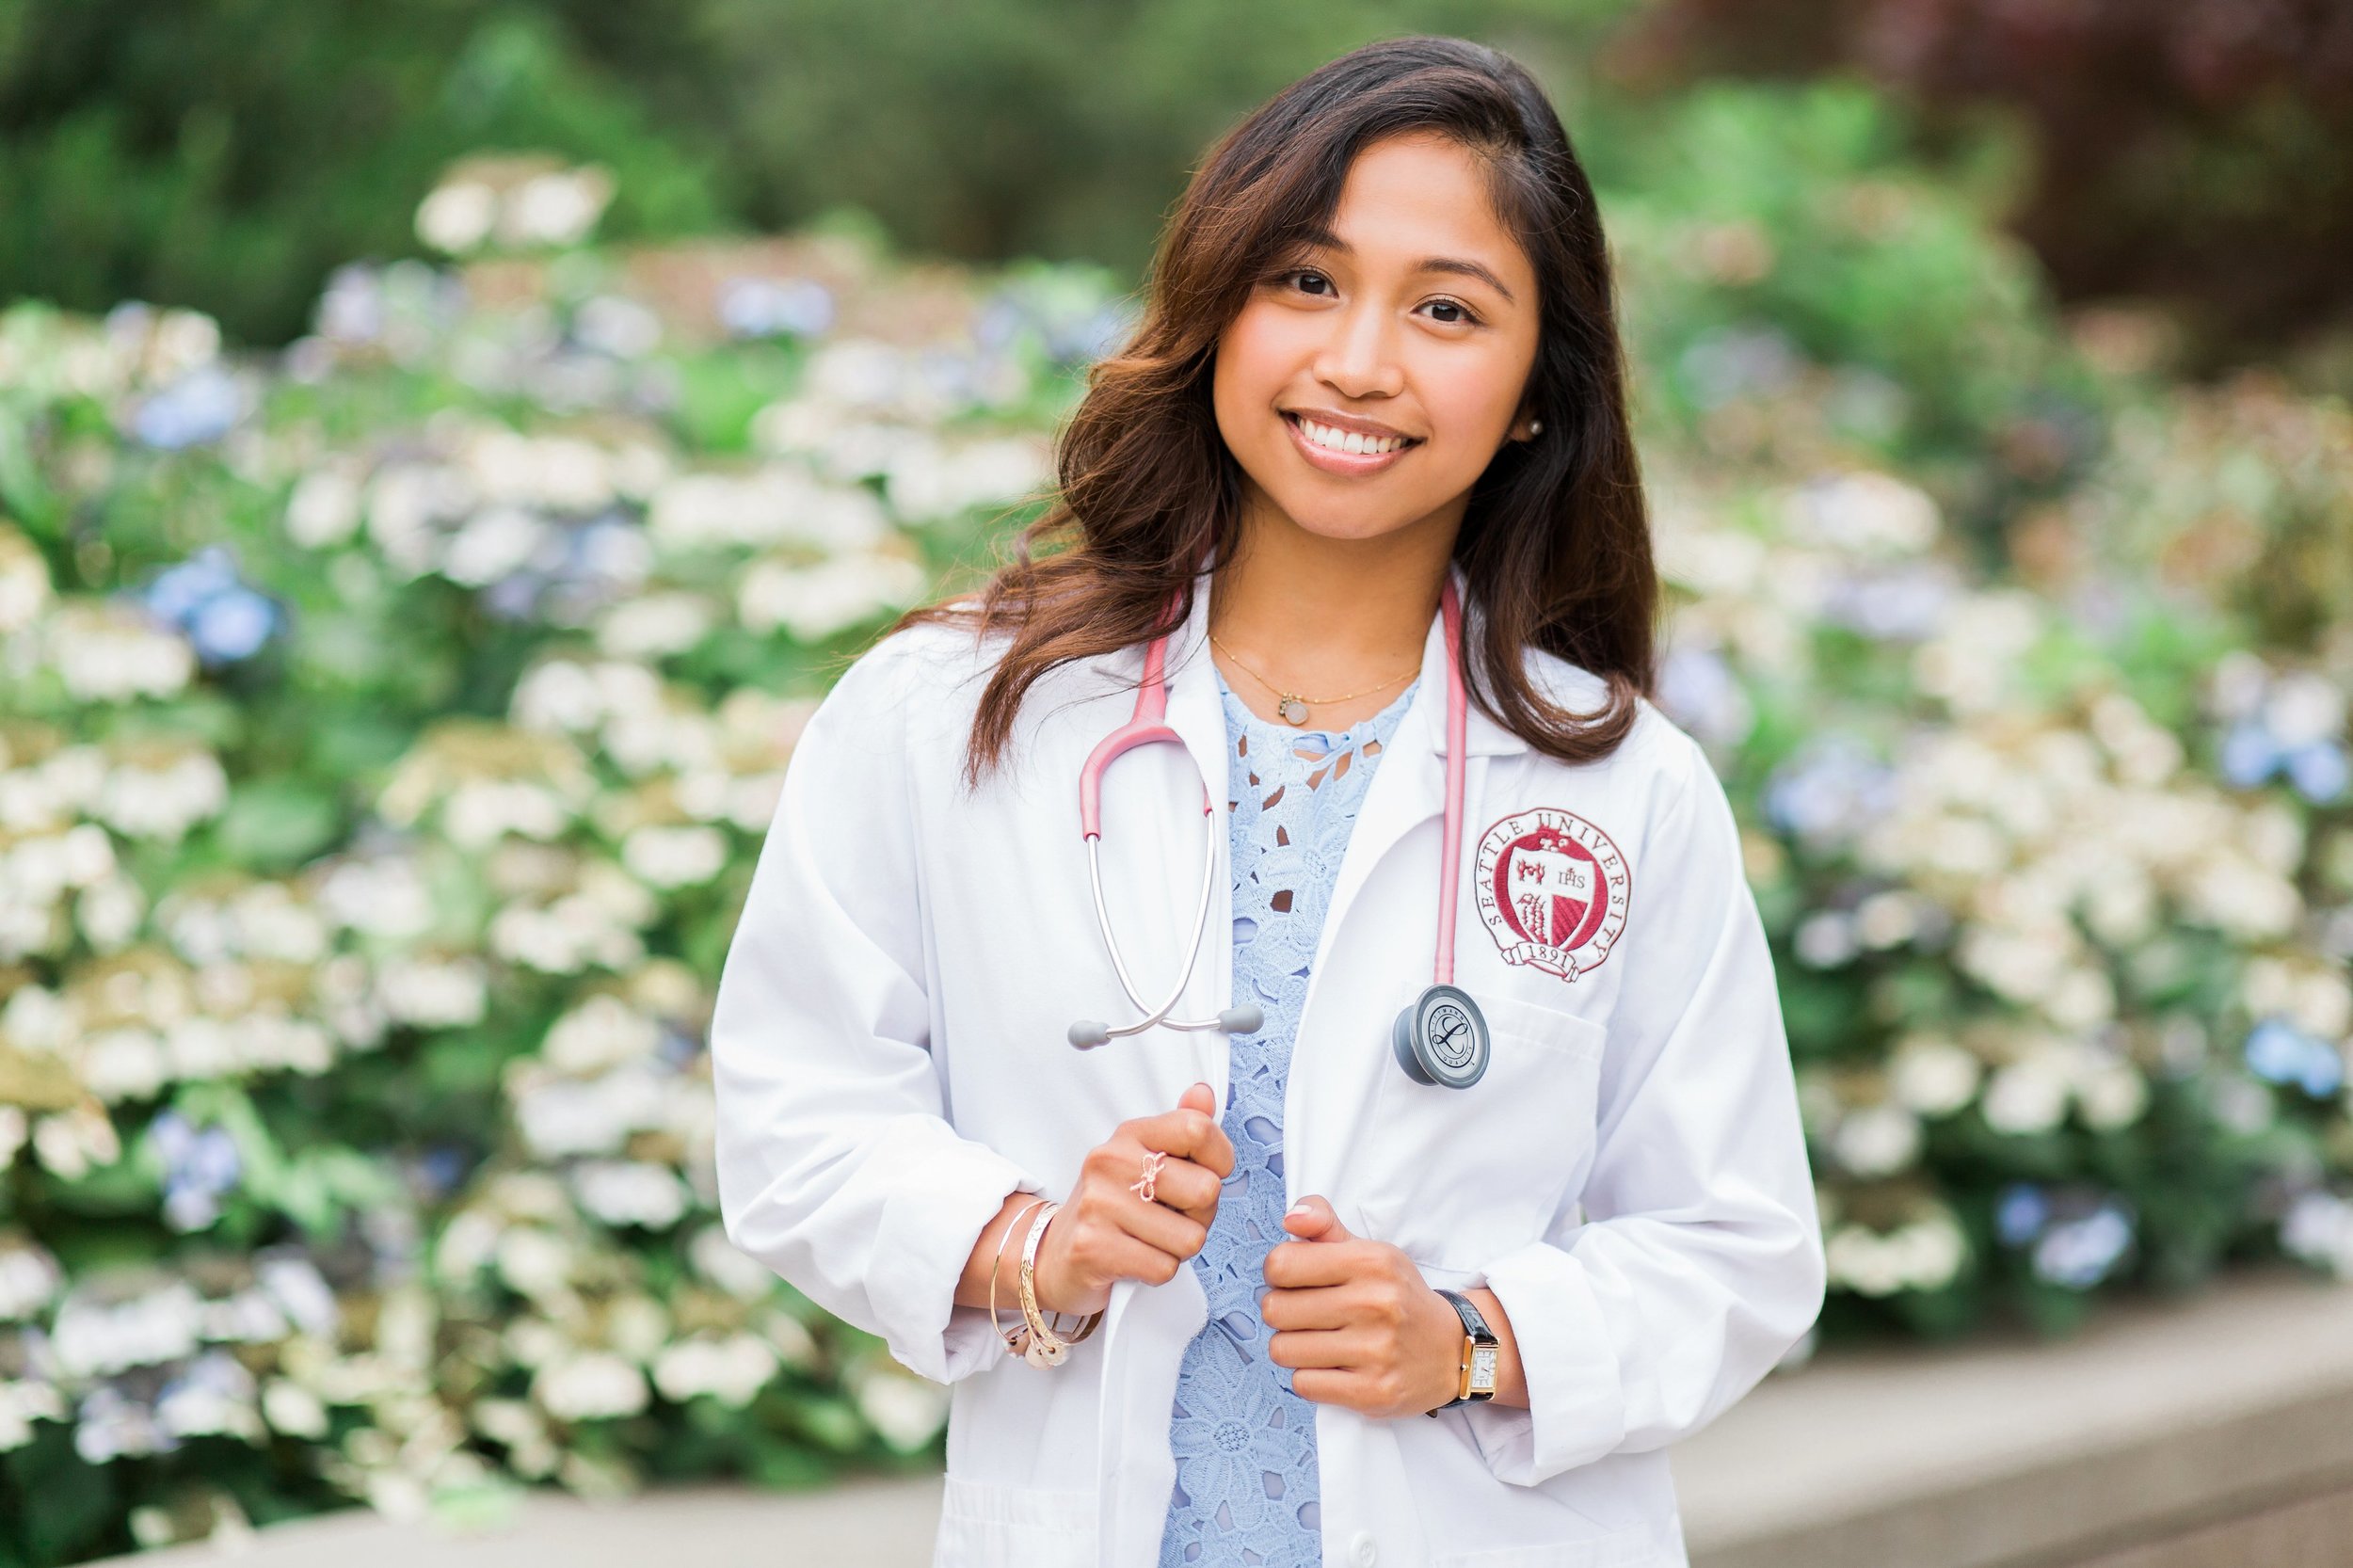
1106 1232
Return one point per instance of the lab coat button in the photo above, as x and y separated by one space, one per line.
1362 1551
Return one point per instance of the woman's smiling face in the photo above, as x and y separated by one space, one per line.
1415 320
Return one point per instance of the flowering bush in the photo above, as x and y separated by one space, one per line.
391 723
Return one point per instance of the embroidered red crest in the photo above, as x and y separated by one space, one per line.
1552 890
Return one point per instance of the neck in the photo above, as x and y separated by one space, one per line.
1317 615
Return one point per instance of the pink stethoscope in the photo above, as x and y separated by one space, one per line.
1441 1036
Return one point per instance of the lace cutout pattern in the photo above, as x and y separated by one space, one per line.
1245 1445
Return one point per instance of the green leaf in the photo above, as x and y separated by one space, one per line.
277 825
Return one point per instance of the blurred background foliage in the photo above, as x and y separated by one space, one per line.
226 156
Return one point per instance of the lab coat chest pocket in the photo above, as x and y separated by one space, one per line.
1456 1178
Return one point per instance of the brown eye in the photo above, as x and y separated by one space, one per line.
1467 319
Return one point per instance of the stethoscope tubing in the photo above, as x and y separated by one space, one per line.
1149 725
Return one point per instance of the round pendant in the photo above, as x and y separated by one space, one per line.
1040 1354
1441 1038
1293 711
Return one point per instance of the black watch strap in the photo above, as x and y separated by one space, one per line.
1481 1336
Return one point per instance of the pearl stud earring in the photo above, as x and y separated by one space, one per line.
1535 426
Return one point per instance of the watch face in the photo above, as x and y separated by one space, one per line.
1483 1368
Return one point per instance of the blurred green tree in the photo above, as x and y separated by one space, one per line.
228 156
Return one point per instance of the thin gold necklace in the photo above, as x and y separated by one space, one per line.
1290 704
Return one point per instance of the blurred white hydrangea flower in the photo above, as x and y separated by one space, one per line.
324 509
600 1033
1862 513
457 217
589 1385
630 1192
930 481
23 1401
655 626
2318 1228
1924 1254
113 652
161 792
95 1336
25 587
667 856
521 200
778 503
432 993
1876 1140
813 602
732 1369
1933 1076
905 1412
29 1279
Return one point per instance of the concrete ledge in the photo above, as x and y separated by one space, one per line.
2213 1432
2155 1422
860 1524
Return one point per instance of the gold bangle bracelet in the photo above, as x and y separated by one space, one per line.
1046 1348
1011 1336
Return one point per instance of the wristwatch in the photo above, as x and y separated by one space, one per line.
1480 1350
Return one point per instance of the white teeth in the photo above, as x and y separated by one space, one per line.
1348 440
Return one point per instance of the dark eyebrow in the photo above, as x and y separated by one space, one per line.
1324 239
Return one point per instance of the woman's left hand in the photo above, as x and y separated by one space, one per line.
1355 1320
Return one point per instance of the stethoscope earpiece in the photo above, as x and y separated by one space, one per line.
1087 1034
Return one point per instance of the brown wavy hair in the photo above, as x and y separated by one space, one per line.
1554 543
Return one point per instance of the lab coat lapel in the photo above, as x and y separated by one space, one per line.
1146 1329
1342 1043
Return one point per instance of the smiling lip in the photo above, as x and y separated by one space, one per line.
1353 464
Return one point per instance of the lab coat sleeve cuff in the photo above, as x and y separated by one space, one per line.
928 1230
1576 1401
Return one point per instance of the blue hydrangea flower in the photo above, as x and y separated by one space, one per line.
2318 771
763 307
2316 767
200 406
1828 789
2021 1213
2079 1254
2248 753
199 1164
2279 1052
224 619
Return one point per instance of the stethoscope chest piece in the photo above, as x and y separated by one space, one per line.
1441 1038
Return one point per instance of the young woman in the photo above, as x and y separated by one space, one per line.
1389 1031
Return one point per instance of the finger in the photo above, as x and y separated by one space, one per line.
1330 1385
1328 1307
1302 1264
1199 1098
1124 1257
1311 1219
1181 1184
1189 1133
1328 1348
1161 1227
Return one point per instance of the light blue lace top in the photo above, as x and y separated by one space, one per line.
1245 1445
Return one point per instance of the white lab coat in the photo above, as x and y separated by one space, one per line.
1628 1179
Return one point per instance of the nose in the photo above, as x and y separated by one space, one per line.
1359 357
